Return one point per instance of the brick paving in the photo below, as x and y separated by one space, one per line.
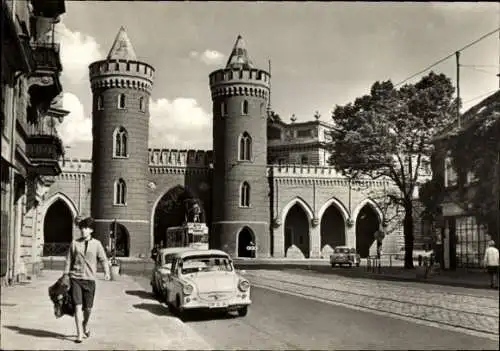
480 313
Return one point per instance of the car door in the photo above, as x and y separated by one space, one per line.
171 292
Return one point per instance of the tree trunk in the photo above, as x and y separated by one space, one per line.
408 235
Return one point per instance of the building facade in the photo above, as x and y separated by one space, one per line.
265 180
31 147
461 240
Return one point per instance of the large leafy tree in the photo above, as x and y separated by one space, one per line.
475 151
388 133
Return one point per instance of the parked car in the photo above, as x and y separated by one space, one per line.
206 280
344 255
161 269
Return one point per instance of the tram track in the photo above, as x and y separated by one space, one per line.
474 321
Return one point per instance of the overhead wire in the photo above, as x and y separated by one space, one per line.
447 57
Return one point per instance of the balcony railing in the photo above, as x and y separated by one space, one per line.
44 148
46 56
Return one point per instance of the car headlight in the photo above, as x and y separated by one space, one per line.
187 289
243 285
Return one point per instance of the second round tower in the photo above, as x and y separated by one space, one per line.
240 94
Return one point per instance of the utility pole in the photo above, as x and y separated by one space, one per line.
457 55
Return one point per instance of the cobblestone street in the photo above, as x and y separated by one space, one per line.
462 310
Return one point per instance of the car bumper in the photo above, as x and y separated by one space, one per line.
231 304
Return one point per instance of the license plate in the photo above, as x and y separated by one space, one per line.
217 304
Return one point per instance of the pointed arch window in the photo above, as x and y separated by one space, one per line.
120 192
245 195
244 107
100 104
121 101
142 105
120 142
245 147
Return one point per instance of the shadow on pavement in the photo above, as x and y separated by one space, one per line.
203 316
154 308
141 293
38 332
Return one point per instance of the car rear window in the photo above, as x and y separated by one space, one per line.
341 250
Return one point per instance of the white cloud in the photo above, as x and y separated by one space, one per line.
179 123
209 57
78 50
76 127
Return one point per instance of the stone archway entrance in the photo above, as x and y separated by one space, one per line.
57 229
122 240
245 238
297 229
332 228
170 211
367 223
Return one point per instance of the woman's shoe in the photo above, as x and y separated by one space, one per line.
86 334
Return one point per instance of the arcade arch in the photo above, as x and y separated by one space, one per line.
333 216
122 237
58 228
297 219
245 238
368 220
169 211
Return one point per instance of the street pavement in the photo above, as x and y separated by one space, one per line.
282 321
466 309
122 319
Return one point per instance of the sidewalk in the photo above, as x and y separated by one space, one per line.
125 317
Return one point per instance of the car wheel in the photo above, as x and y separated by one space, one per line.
333 265
242 312
357 264
350 265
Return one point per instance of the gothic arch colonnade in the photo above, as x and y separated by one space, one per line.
327 227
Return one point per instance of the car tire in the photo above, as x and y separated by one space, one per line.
242 312
357 264
333 265
350 265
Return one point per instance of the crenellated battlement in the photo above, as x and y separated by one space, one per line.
174 157
121 73
247 82
75 165
328 174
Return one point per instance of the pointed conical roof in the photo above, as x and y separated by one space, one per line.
122 47
239 56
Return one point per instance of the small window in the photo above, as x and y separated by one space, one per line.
223 109
262 109
117 66
304 160
244 107
245 195
120 192
100 104
142 105
121 101
245 147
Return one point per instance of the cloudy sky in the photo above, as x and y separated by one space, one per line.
322 54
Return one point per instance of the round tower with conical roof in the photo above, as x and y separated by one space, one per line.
121 87
240 94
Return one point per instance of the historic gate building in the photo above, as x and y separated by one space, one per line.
265 181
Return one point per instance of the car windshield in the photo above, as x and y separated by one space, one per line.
167 260
343 250
198 264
